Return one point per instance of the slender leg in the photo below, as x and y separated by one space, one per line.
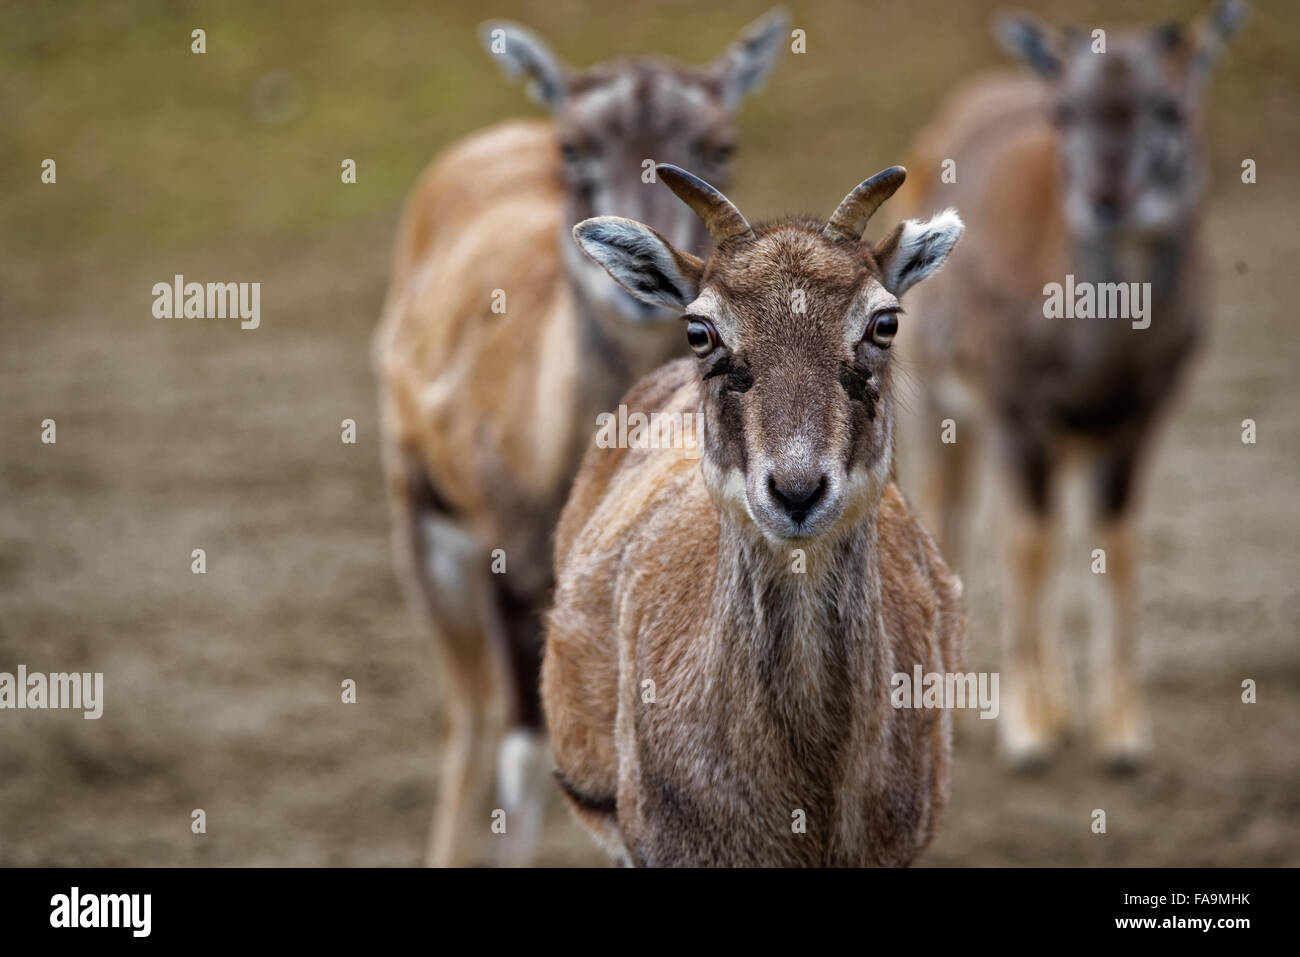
953 480
524 765
1117 713
462 779
439 566
944 469
524 784
1034 711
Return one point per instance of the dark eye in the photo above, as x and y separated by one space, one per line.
1167 112
722 154
570 153
883 328
700 335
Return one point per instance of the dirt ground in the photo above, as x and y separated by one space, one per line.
223 690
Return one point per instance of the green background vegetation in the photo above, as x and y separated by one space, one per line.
158 147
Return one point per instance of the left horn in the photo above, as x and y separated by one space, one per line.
850 219
720 216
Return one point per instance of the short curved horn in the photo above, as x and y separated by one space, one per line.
850 219
720 216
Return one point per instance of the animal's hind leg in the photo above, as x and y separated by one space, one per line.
524 766
443 576
1116 709
1035 715
954 440
464 775
937 443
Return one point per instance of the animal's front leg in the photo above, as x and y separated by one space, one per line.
1035 713
1118 718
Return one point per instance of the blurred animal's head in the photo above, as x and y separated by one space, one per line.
791 324
615 120
1128 108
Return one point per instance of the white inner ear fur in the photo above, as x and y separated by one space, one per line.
637 259
921 250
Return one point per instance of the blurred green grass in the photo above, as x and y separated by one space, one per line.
159 148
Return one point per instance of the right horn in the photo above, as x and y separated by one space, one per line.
720 216
850 219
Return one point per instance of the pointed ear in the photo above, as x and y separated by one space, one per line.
641 261
1028 39
747 62
915 249
1214 31
520 52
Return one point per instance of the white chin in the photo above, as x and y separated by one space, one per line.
781 528
1156 215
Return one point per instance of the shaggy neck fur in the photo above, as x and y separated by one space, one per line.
1174 304
800 655
1160 261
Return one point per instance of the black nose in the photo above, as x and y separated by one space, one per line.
1107 209
799 497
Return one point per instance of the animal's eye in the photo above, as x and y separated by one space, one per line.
570 153
722 154
700 335
882 328
1168 112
